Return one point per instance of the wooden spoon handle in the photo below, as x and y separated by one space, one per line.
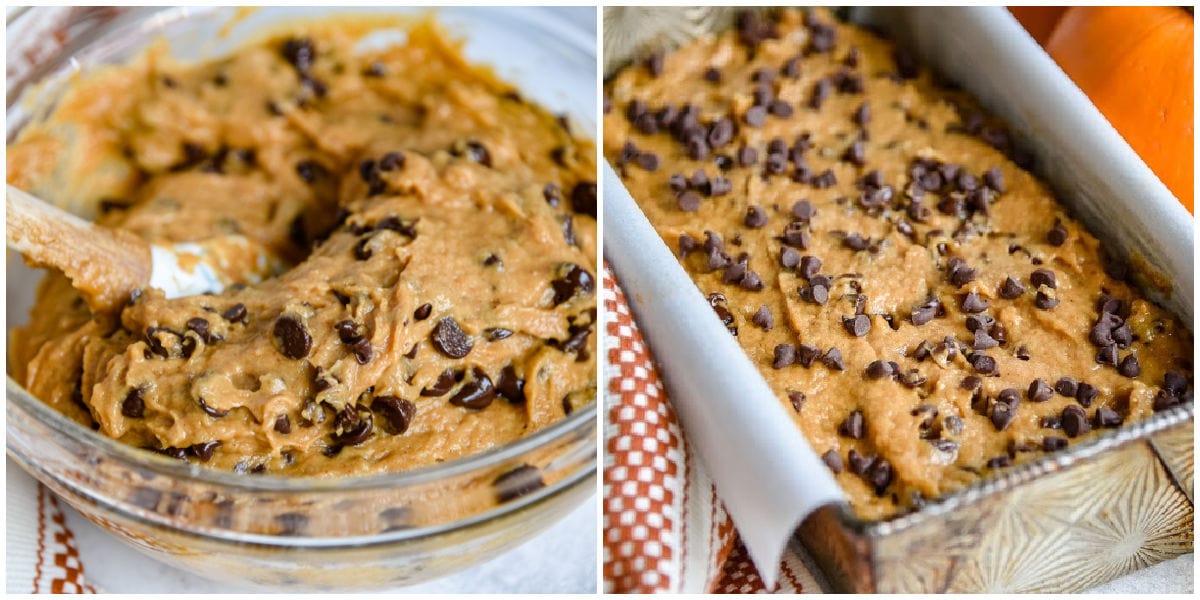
104 265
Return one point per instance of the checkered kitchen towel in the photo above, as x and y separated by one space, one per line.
41 555
665 530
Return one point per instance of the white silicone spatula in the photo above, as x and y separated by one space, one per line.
105 265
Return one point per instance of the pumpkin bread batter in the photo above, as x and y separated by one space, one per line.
922 305
441 228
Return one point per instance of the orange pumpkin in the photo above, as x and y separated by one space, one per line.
1136 65
1039 21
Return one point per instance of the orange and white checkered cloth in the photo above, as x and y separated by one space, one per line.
665 530
41 555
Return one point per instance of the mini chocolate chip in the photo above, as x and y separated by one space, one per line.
858 325
809 266
712 74
362 350
763 318
833 460
960 274
855 241
293 339
755 116
756 217
1057 235
854 426
1042 277
1011 289
134 406
201 327
803 210
1001 415
983 363
1174 384
397 413
1066 386
1039 391
1053 443
1045 301
349 331
423 311
392 161
924 313
785 354
983 341
494 334
880 475
747 156
862 114
1022 352
1075 421
999 462
648 161
283 424
970 382
879 369
1107 417
450 339
1085 394
1108 355
235 313
510 386
477 393
1129 366
797 399
789 258
654 64
1009 396
858 463
833 359
972 303
688 201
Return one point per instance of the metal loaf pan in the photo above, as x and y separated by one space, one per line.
1102 508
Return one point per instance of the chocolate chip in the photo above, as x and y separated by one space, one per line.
1129 367
283 424
1022 352
855 154
583 198
747 156
235 313
397 413
210 411
449 338
575 281
833 359
982 363
1011 289
134 406
763 318
352 426
712 74
1053 443
972 303
1042 277
300 52
689 201
510 386
1039 391
879 369
654 64
959 273
755 116
1106 417
362 350
797 399
1001 415
809 266
204 451
518 482
924 313
789 258
785 354
442 385
858 325
854 425
1108 355
816 294
1057 235
833 460
1085 394
293 339
856 242
477 393
1009 396
1174 383
983 341
1075 421
821 90
999 462
756 217
880 475
423 311
862 114
858 463
805 354
1045 301
1066 387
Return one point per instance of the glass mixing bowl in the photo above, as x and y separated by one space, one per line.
297 533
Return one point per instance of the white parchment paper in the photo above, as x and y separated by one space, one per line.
765 472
